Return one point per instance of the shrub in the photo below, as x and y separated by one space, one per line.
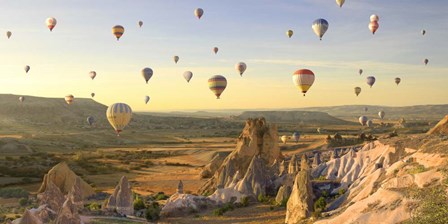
23 202
245 201
325 194
139 204
284 202
152 212
320 204
161 196
341 191
433 206
13 193
94 206
263 199
218 212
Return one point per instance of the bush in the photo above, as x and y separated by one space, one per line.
23 202
94 206
341 191
152 212
433 206
263 199
320 204
161 196
284 202
13 193
218 212
245 201
139 204
226 207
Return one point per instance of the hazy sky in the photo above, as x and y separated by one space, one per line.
252 31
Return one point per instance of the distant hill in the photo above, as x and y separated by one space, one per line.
305 117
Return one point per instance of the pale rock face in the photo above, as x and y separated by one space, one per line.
64 179
300 203
285 189
214 164
180 187
316 160
52 197
441 128
75 193
68 214
121 199
258 138
182 204
293 166
28 218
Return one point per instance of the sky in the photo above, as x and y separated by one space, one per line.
251 31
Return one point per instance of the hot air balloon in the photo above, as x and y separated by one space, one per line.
8 34
21 99
340 2
215 50
69 99
369 123
284 138
217 84
296 136
147 74
147 99
119 115
363 120
92 95
92 74
366 109
198 13
319 130
320 26
289 33
118 31
90 120
381 114
423 32
140 23
373 26
303 79
51 23
397 81
374 17
370 81
188 75
357 91
241 67
360 71
176 59
426 61
27 68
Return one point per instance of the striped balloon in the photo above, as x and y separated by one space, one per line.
320 26
118 31
303 79
217 85
370 81
69 99
51 23
119 115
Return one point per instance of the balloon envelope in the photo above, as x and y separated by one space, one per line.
119 115
381 114
215 50
423 32
426 61
289 33
357 90
27 68
303 79
140 23
69 99
397 81
217 84
320 26
90 120
147 74
241 67
370 81
340 2
92 74
188 75
147 99
374 17
296 136
8 34
92 94
363 120
369 123
373 26
51 23
21 98
360 71
176 59
198 13
284 138
118 31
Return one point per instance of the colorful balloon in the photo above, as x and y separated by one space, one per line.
284 138
369 123
289 33
188 75
357 90
374 17
363 120
217 84
303 79
147 98
8 34
90 120
426 61
176 59
340 3
381 114
360 71
241 67
21 99
27 68
119 115
296 136
118 31
51 23
215 50
370 81
198 13
140 23
373 26
320 26
147 74
69 99
92 95
92 74
397 81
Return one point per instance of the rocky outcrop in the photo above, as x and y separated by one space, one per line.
300 203
285 189
293 167
64 179
52 197
184 204
317 160
256 180
75 193
28 218
68 214
257 139
214 164
441 128
121 200
180 187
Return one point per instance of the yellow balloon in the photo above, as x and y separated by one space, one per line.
119 115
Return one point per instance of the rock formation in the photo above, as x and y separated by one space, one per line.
75 193
283 168
441 128
285 189
293 167
28 218
316 160
64 179
256 180
121 200
257 139
184 204
52 197
214 164
180 187
68 214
